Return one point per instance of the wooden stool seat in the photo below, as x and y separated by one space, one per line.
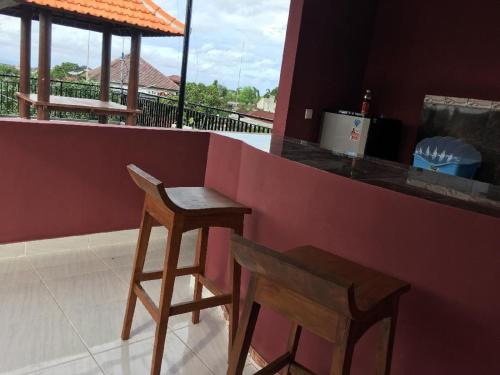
181 210
330 296
200 200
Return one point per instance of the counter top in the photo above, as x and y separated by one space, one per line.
450 190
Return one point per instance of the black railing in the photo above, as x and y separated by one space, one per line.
157 111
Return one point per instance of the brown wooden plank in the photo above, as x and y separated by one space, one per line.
275 365
44 52
147 302
206 303
133 79
25 63
148 276
69 104
105 70
193 270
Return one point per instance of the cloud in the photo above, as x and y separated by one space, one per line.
227 36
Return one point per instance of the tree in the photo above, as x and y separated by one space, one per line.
248 96
8 70
273 92
62 71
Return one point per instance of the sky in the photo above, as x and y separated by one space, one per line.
227 36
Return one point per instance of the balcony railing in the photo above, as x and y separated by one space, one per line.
157 111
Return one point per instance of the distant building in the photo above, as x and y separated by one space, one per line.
267 104
151 80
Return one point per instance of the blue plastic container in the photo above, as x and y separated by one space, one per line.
447 155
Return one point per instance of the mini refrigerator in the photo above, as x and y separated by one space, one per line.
345 134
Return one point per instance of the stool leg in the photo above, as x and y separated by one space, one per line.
140 257
235 278
293 345
243 339
167 289
200 260
343 350
385 344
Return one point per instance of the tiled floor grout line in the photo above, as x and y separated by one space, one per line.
68 320
114 271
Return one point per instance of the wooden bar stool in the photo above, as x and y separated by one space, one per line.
181 210
330 296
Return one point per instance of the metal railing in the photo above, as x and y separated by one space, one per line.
157 111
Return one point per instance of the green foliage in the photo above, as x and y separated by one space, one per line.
248 97
269 93
62 71
8 70
213 95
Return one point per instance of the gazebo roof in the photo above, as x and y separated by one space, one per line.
122 16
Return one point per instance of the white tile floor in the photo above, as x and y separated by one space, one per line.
62 303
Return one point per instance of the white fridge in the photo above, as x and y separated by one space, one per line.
344 134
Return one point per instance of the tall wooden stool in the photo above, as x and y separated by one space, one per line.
330 296
181 210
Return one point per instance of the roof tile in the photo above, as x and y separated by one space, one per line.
144 14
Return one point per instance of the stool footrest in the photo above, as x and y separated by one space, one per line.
210 285
187 271
147 302
276 365
298 369
148 276
206 303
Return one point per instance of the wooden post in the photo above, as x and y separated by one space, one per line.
25 64
44 63
105 71
133 79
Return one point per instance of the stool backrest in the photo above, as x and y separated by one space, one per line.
151 186
333 292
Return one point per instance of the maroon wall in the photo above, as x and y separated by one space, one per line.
62 179
448 322
444 47
324 62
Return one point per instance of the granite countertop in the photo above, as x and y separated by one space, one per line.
450 190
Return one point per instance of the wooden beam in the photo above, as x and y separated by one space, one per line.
105 70
206 303
133 79
44 63
25 63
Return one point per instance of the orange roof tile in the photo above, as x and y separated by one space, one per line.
141 14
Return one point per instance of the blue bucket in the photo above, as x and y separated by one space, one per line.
447 155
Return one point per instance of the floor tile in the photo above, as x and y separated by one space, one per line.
17 272
25 303
121 255
39 343
12 250
250 370
209 340
100 326
84 366
57 244
114 238
67 263
135 359
88 290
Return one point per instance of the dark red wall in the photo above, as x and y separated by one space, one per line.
324 64
402 50
447 323
69 179
442 47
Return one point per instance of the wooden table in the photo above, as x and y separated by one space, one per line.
68 104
